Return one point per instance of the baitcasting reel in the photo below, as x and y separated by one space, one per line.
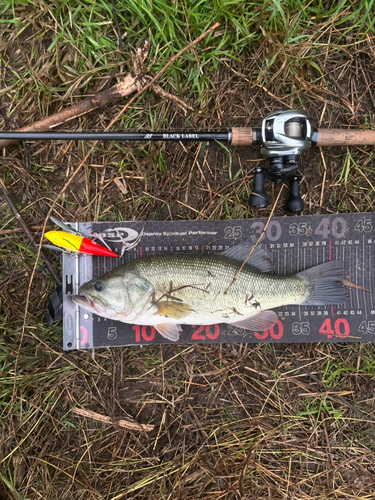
285 136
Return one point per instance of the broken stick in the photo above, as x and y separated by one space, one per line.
128 424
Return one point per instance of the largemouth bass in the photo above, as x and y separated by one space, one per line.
169 290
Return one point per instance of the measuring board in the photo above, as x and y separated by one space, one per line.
295 244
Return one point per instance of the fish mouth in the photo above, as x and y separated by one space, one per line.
94 304
83 300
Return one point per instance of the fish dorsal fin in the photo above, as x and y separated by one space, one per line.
257 259
169 331
264 320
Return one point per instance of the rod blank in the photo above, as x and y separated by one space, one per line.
116 136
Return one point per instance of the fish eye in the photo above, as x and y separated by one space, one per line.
99 286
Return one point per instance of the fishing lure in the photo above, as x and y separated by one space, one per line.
78 244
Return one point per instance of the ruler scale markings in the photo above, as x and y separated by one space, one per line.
298 269
319 261
364 278
366 270
369 274
356 277
336 252
284 272
304 267
351 298
370 282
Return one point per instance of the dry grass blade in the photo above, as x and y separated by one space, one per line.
354 285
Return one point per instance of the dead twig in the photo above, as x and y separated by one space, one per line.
127 424
166 95
354 285
20 230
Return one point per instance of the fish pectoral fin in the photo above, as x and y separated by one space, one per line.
169 331
171 309
264 320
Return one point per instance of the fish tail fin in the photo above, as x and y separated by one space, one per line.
324 284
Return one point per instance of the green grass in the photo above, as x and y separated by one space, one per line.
83 41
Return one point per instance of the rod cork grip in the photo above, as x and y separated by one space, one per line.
341 137
242 136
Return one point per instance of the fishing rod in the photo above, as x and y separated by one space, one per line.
284 136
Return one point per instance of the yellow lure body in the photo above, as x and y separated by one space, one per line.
65 240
